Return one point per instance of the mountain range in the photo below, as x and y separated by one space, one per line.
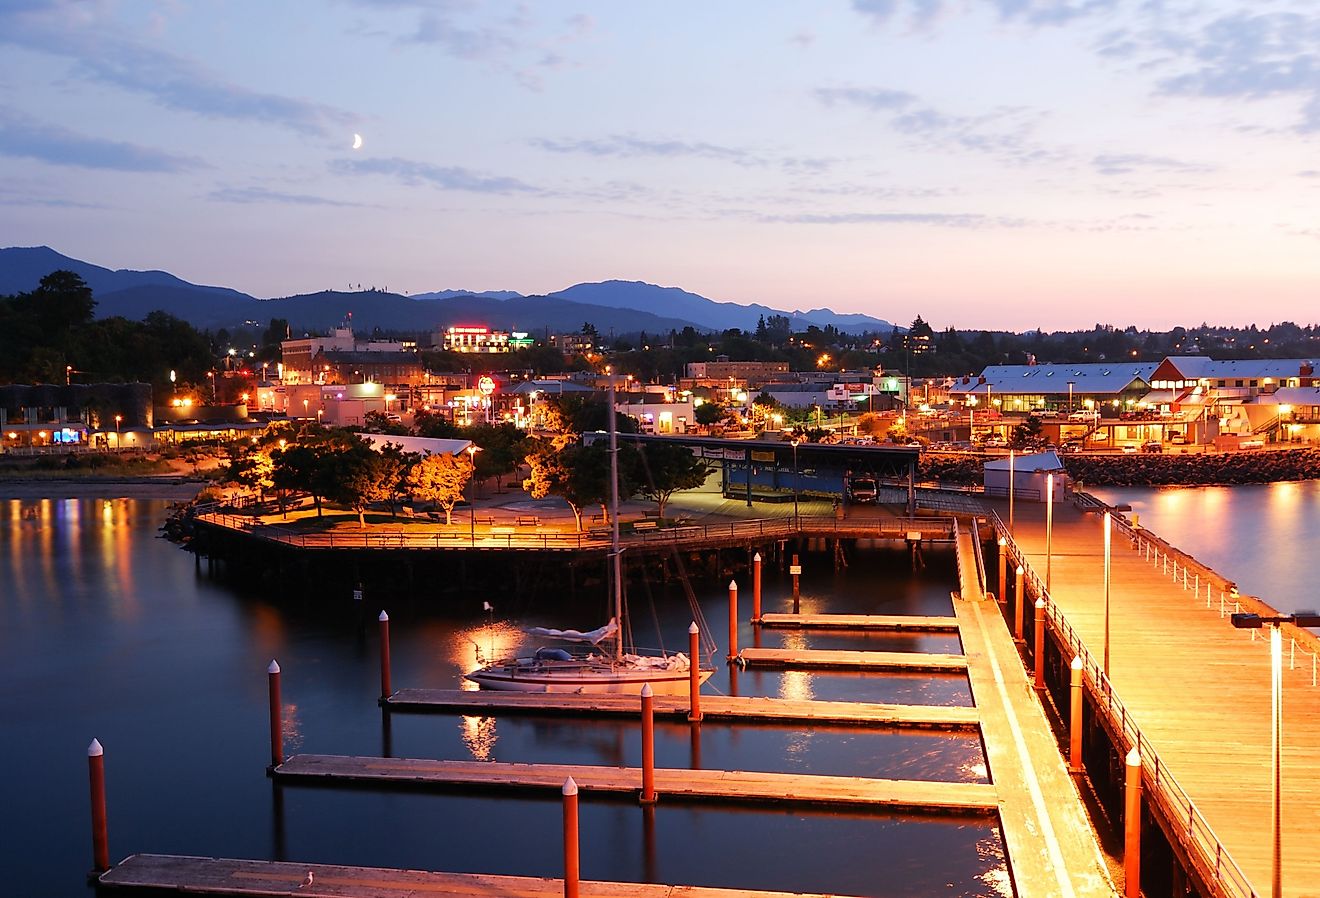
611 306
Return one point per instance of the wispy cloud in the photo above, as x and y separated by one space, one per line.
25 137
876 99
1030 12
1127 163
938 219
100 54
629 147
443 177
263 195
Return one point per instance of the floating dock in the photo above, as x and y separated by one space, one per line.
850 660
672 783
913 622
713 707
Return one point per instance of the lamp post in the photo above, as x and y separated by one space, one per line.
1049 527
1070 395
796 522
472 451
1108 526
1012 482
1245 621
119 443
211 374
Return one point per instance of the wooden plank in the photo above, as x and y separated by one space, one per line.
914 622
713 707
717 785
231 876
1048 839
852 660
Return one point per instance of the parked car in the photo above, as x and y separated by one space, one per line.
1070 446
1129 449
1152 446
1084 415
1178 439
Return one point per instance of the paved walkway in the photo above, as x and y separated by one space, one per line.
1198 689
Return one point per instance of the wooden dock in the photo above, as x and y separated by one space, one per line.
710 785
226 876
913 622
713 707
1048 840
852 660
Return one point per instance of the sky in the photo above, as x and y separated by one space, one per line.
1005 164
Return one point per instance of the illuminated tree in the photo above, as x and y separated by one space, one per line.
665 468
440 479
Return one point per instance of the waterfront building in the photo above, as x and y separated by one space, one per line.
41 416
308 360
1030 475
474 338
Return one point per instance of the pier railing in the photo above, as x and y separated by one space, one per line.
464 535
1203 847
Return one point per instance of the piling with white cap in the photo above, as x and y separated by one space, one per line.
756 588
694 674
100 832
1075 718
276 716
571 869
1132 827
1019 597
1038 674
733 620
385 689
648 745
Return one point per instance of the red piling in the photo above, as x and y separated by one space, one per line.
1075 718
733 620
694 674
648 745
756 588
571 870
1132 827
385 687
276 716
796 570
1038 674
100 831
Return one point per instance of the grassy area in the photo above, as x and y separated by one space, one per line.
82 465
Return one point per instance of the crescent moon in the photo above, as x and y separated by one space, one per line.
357 141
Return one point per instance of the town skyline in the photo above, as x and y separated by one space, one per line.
998 165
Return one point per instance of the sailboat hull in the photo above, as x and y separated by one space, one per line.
585 679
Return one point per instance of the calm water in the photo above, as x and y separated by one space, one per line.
1260 536
108 632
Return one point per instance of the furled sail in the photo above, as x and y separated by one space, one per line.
591 636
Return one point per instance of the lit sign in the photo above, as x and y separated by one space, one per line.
469 330
486 385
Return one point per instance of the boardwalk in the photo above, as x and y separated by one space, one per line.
722 785
713 707
223 876
1198 689
910 622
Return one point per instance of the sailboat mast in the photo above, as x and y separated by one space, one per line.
615 565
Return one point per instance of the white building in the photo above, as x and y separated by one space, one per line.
1030 477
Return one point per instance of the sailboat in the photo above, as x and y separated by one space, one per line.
608 666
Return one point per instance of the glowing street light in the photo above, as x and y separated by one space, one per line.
472 451
118 441
796 521
1246 621
1049 527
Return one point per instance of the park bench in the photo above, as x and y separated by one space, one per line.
527 520
644 525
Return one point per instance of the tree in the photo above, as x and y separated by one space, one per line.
253 468
580 475
503 447
360 476
440 479
708 413
666 468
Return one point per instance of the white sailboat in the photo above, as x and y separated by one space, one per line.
597 670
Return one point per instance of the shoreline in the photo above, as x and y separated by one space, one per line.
166 488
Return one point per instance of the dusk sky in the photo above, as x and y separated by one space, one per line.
982 163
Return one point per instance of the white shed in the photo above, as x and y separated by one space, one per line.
1030 474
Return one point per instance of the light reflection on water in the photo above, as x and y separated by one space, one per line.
107 631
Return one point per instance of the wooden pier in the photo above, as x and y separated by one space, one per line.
854 660
904 622
711 785
713 707
226 876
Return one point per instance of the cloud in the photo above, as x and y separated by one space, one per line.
1036 13
99 54
1004 133
466 43
803 38
24 137
443 177
940 219
876 99
626 146
262 195
1127 163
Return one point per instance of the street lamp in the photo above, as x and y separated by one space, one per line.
1247 621
211 374
796 521
472 451
118 442
1049 527
1108 526
1070 395
1012 484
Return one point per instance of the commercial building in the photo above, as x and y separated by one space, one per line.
473 338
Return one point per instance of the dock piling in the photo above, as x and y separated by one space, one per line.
1132 826
276 716
100 832
756 588
694 674
1003 568
1038 671
733 620
1075 717
1019 597
648 745
571 870
385 690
